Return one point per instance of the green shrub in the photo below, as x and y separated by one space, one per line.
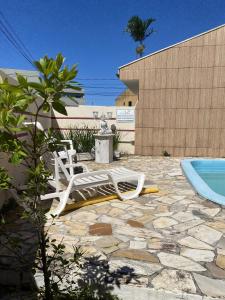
83 138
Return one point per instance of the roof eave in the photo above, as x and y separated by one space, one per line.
158 51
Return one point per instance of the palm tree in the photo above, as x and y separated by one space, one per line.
139 30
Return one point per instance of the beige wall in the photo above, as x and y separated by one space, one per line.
83 115
126 98
181 104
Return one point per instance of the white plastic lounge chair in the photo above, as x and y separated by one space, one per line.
90 179
87 179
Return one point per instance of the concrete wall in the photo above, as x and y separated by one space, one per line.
83 115
181 104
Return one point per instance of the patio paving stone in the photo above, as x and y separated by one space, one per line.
163 222
138 244
137 267
136 255
135 223
205 234
210 287
179 262
198 254
106 242
215 271
220 261
174 280
191 242
100 229
164 239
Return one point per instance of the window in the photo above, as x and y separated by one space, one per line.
130 103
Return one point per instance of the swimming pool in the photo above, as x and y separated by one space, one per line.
207 176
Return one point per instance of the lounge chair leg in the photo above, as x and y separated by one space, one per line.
131 194
63 198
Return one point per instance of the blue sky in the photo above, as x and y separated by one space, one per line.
91 34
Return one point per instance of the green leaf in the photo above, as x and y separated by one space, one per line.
59 107
59 60
22 80
5 179
46 107
37 86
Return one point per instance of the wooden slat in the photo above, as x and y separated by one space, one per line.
182 90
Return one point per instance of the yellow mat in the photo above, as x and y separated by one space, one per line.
104 198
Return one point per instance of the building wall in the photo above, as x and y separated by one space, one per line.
127 98
181 104
83 115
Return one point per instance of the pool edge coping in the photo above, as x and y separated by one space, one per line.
197 183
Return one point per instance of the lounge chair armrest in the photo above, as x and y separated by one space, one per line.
68 142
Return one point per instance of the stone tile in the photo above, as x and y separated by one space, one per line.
122 237
136 267
175 173
179 262
191 242
84 217
215 271
184 216
100 229
166 214
187 225
127 292
147 218
138 244
103 209
125 216
106 242
88 240
168 200
135 223
221 243
109 250
136 255
218 225
77 229
135 212
198 254
220 251
205 234
120 205
177 197
111 220
211 212
114 212
136 232
164 222
220 261
162 245
210 287
174 280
162 208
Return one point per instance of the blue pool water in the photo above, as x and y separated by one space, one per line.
207 176
213 173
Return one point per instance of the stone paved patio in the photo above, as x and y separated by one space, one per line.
173 240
